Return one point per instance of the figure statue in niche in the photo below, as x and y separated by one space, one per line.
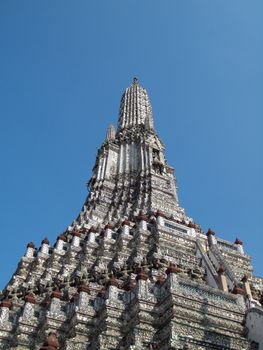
157 164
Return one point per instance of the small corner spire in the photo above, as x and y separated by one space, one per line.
110 132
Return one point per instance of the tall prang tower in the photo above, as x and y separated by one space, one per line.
133 271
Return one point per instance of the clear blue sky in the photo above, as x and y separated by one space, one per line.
63 67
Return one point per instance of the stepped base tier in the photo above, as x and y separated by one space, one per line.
133 271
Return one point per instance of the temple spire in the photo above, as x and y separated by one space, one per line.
135 107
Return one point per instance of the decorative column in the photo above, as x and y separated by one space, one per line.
160 217
45 246
75 239
222 279
246 287
126 227
211 237
240 293
239 245
28 310
143 219
60 242
112 288
5 306
108 231
84 292
171 272
55 302
30 250
91 235
192 230
142 283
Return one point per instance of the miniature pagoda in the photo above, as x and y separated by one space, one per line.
133 271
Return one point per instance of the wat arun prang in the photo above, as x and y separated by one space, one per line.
133 271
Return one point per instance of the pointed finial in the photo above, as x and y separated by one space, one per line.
135 81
